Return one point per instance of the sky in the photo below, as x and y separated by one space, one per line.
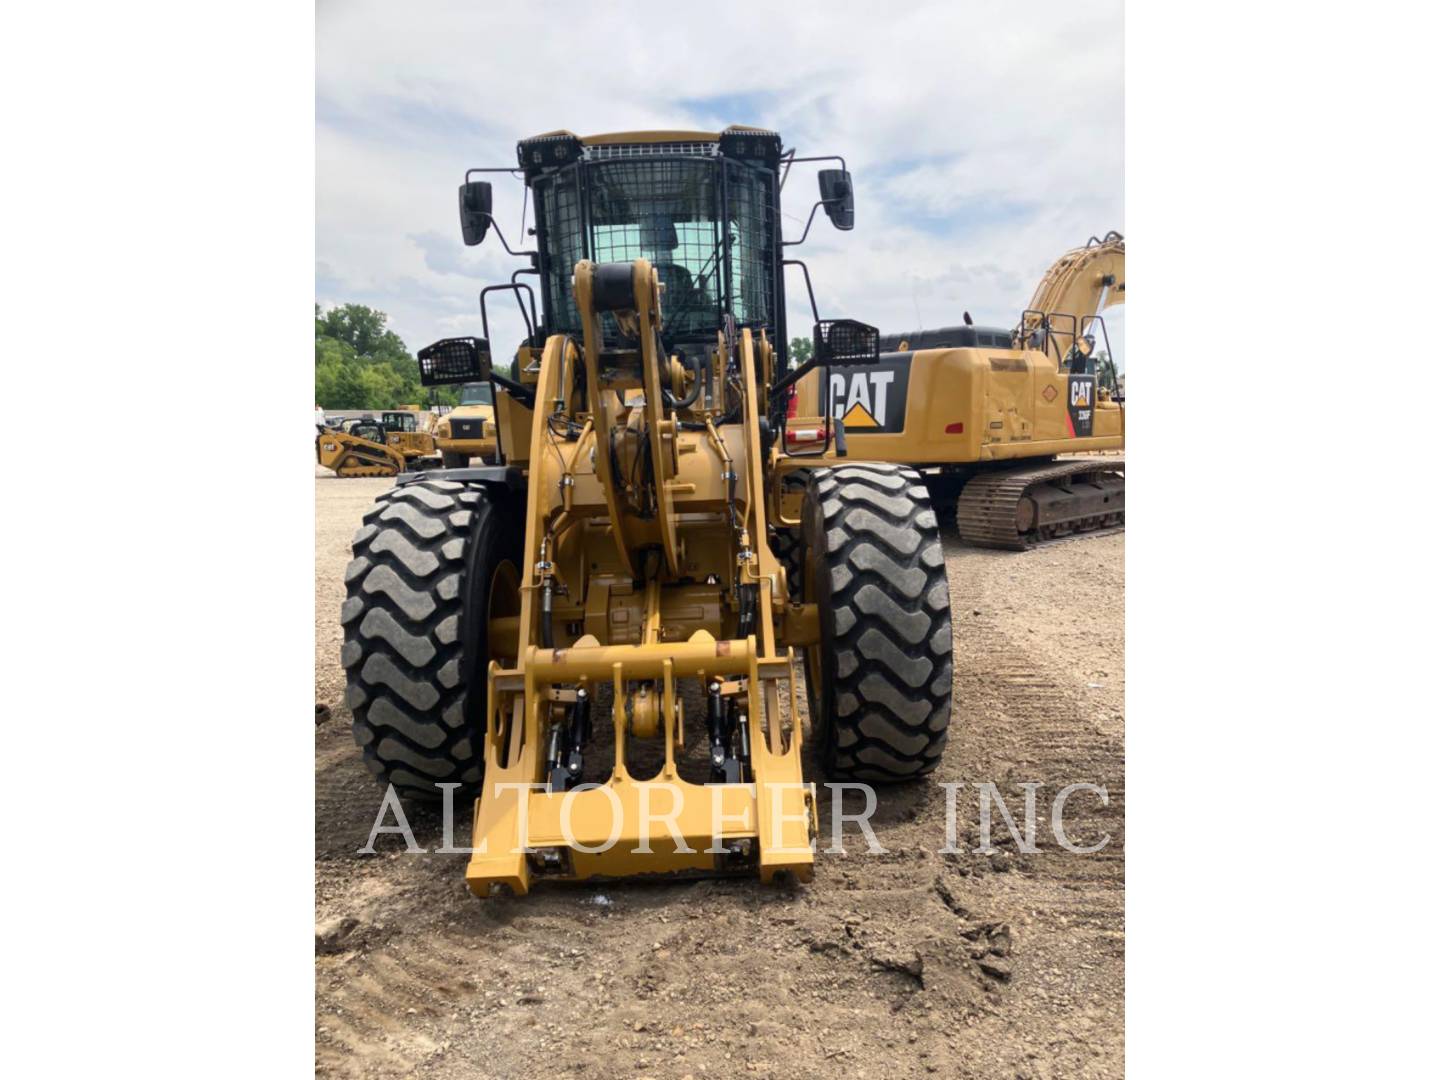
984 140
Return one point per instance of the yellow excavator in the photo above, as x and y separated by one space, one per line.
990 415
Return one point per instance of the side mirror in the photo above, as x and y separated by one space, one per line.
474 211
838 196
454 360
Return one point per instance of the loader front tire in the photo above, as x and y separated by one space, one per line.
879 680
434 561
454 459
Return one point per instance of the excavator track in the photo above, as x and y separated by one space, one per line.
1021 507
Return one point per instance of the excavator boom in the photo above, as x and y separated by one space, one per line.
1079 285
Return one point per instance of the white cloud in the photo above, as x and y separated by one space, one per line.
985 138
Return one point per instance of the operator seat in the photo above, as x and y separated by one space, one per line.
680 290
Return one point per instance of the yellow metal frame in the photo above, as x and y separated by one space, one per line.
587 541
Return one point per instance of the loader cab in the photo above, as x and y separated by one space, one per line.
703 208
399 421
700 207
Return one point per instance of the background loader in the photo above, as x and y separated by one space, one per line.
360 449
410 432
468 430
597 630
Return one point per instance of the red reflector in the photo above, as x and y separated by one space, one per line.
956 428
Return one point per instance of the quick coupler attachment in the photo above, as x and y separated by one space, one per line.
546 812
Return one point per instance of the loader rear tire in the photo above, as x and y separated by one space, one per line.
434 561
880 678
454 460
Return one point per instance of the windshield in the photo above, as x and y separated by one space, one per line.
399 421
675 213
476 394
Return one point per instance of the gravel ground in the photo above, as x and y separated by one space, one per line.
909 964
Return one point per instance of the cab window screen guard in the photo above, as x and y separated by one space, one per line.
706 224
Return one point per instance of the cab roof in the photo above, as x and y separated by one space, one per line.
615 137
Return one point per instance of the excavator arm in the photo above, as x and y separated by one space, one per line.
1080 284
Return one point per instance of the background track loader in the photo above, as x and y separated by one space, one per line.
361 450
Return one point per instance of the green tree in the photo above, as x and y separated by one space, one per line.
362 328
360 363
801 349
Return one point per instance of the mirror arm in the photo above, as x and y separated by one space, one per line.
810 221
505 243
512 170
826 157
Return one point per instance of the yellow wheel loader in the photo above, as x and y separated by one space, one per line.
468 430
359 450
986 412
595 637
